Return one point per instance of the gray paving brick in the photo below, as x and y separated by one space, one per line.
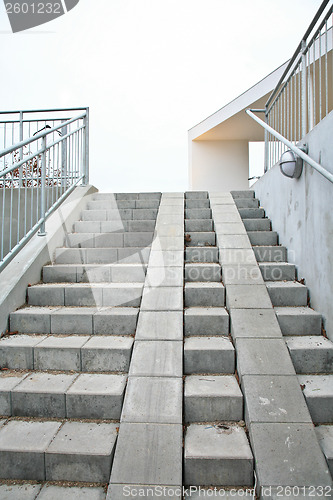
196 195
113 226
208 355
318 393
122 294
251 213
277 271
201 254
51 492
201 239
222 228
73 320
169 230
254 323
164 276
16 351
230 256
310 354
22 448
115 321
101 255
198 225
157 359
160 325
133 255
226 215
81 452
167 258
162 299
137 239
242 194
325 437
96 396
107 353
257 224
216 455
80 240
246 203
198 213
270 253
19 491
298 320
206 321
288 293
94 215
42 395
8 381
139 461
69 256
274 398
104 240
168 243
197 203
59 353
212 398
60 273
204 295
247 297
81 295
31 320
241 274
263 238
233 241
201 272
153 400
90 273
145 213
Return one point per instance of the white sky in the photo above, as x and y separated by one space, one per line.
149 70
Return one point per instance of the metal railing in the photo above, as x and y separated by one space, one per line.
304 93
39 172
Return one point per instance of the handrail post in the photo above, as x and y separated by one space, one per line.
43 189
21 149
266 144
303 90
85 172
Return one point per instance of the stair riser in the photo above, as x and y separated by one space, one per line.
193 213
288 297
201 239
81 274
204 297
87 240
114 226
133 255
85 297
120 215
203 273
270 254
206 325
252 213
257 224
312 361
263 238
246 203
278 272
210 409
193 254
196 225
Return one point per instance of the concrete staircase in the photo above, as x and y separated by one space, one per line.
168 344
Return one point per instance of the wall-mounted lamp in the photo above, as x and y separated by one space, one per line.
291 165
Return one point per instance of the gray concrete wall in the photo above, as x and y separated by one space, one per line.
301 212
26 267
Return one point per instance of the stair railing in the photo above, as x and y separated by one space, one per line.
38 173
303 95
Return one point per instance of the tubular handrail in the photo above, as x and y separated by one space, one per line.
305 157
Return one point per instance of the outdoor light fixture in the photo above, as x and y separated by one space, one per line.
291 165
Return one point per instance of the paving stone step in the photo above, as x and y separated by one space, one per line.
201 294
196 195
196 225
287 293
217 455
85 294
246 203
66 353
201 254
311 354
60 395
208 355
198 213
47 450
325 438
263 237
200 239
122 204
242 194
80 320
122 214
270 253
318 393
85 226
257 224
208 321
128 196
251 213
109 240
212 398
132 255
204 272
298 321
277 271
197 203
94 273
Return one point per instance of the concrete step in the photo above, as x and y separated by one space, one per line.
66 353
202 321
61 395
56 451
203 294
263 238
201 254
122 204
124 214
270 253
197 203
251 213
94 273
132 255
298 321
196 225
217 455
109 240
242 194
246 203
311 354
318 393
85 294
85 226
80 320
203 272
128 196
287 293
257 224
196 195
198 213
200 239
212 398
50 491
208 355
278 271
325 438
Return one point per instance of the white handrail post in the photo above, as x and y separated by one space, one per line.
266 144
85 172
303 90
43 189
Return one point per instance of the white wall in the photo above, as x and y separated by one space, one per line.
301 212
218 165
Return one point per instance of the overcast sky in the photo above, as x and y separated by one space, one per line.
149 70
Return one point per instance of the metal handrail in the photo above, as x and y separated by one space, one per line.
305 157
